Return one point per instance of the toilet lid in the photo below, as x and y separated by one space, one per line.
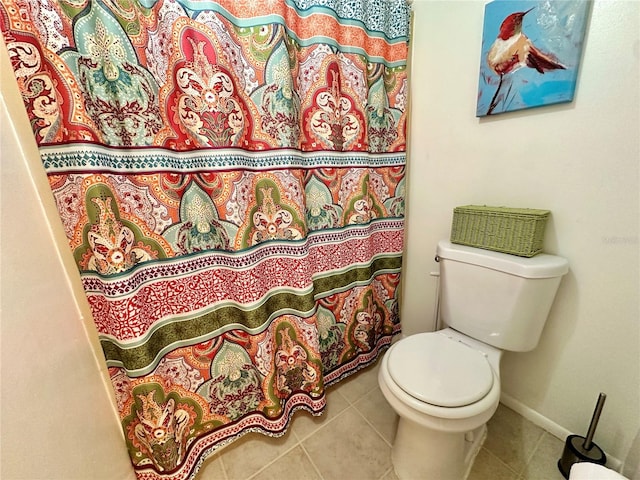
440 371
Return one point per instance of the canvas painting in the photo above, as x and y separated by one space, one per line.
531 51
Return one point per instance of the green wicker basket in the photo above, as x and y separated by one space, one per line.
517 231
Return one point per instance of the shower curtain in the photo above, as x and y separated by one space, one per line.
230 177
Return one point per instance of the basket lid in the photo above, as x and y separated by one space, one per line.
542 265
502 210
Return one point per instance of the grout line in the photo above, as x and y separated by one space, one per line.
533 452
554 429
365 417
316 431
300 439
353 407
355 378
517 474
277 457
325 422
313 464
362 396
371 425
223 468
387 472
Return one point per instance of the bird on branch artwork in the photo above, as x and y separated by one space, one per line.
531 52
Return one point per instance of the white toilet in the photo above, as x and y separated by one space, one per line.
445 385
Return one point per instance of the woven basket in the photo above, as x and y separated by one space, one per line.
517 231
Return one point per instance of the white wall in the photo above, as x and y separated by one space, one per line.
58 421
580 160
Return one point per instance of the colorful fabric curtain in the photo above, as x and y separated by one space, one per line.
230 177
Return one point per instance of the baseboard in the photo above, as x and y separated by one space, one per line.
550 426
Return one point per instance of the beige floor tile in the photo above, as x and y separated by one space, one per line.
488 467
294 465
374 407
212 469
512 438
343 445
544 463
251 453
348 448
358 385
304 424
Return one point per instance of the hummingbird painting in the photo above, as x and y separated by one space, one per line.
512 50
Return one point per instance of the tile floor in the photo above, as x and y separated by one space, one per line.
352 441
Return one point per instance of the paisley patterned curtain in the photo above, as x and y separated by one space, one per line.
230 176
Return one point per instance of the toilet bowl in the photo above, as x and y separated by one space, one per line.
442 422
445 385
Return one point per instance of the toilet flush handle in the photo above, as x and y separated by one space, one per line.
436 308
435 274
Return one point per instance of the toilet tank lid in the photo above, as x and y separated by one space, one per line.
542 265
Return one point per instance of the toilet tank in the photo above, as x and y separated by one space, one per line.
502 300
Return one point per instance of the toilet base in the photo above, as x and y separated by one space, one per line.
427 454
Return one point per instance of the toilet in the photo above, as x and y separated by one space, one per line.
445 385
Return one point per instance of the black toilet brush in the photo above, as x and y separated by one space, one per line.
580 449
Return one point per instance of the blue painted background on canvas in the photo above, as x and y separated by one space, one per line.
554 27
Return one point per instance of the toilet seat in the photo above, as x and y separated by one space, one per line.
439 370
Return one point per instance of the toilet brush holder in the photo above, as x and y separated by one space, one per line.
582 449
